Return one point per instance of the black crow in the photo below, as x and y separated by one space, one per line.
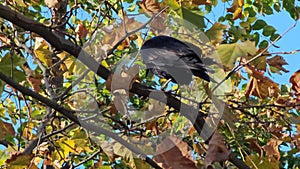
173 59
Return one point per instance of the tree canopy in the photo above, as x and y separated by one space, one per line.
75 92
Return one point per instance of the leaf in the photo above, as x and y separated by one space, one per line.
236 8
272 148
215 33
259 24
254 161
81 31
65 147
4 40
259 63
217 151
150 6
6 129
8 65
35 83
278 62
52 3
268 30
19 161
114 34
42 52
192 16
260 85
229 53
295 81
174 153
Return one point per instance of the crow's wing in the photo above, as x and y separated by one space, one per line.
167 56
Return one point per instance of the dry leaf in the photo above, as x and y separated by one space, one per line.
81 31
217 151
150 6
35 83
52 3
277 130
173 153
202 2
295 81
260 85
6 129
278 61
114 34
272 148
255 146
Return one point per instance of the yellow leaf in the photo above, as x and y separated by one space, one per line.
44 55
42 52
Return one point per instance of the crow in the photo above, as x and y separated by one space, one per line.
173 59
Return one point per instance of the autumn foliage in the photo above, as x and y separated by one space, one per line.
75 92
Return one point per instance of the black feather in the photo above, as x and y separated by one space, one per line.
173 59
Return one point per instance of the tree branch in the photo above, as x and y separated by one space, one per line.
58 41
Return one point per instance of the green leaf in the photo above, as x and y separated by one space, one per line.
267 10
268 30
250 11
259 24
263 44
131 7
193 17
215 33
255 37
274 36
8 66
229 53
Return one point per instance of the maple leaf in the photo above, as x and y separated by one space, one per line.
277 62
215 33
272 148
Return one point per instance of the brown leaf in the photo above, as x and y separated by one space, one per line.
35 83
236 8
277 130
150 6
260 85
19 160
114 34
173 153
6 129
202 2
278 61
217 151
295 80
52 3
272 148
81 31
255 146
